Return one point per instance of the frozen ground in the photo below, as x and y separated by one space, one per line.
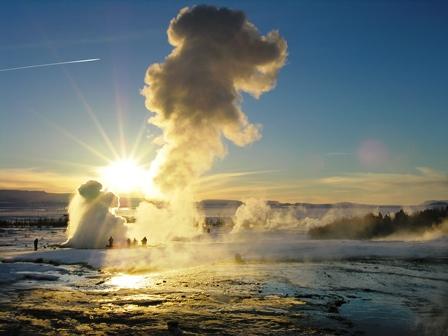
13 239
253 285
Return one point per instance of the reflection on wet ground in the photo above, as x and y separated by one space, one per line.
351 297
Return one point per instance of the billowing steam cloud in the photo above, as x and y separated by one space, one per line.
92 220
196 93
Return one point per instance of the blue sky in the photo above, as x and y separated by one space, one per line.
362 76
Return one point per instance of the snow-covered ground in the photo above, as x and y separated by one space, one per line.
14 239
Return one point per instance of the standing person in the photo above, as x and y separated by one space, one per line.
36 241
128 242
144 241
134 242
111 242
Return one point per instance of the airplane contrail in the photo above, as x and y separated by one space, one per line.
51 64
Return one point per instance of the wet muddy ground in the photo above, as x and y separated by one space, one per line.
386 296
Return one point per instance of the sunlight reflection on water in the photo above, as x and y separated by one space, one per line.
129 281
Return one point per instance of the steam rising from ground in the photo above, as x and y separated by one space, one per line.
257 215
161 223
341 222
92 220
196 93
432 233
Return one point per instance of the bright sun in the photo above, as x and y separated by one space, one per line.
123 176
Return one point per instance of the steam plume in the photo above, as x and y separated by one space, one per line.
196 93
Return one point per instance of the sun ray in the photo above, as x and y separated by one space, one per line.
143 154
138 139
81 97
66 163
75 139
91 114
119 112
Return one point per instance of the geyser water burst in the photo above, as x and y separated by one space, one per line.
92 220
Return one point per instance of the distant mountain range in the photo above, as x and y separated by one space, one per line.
24 198
16 198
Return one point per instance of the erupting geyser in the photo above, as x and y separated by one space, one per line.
92 220
195 96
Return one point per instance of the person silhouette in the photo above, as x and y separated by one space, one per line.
144 241
36 241
111 242
128 242
134 242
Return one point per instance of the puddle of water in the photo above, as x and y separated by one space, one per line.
379 316
129 281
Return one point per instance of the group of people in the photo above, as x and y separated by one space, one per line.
129 243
